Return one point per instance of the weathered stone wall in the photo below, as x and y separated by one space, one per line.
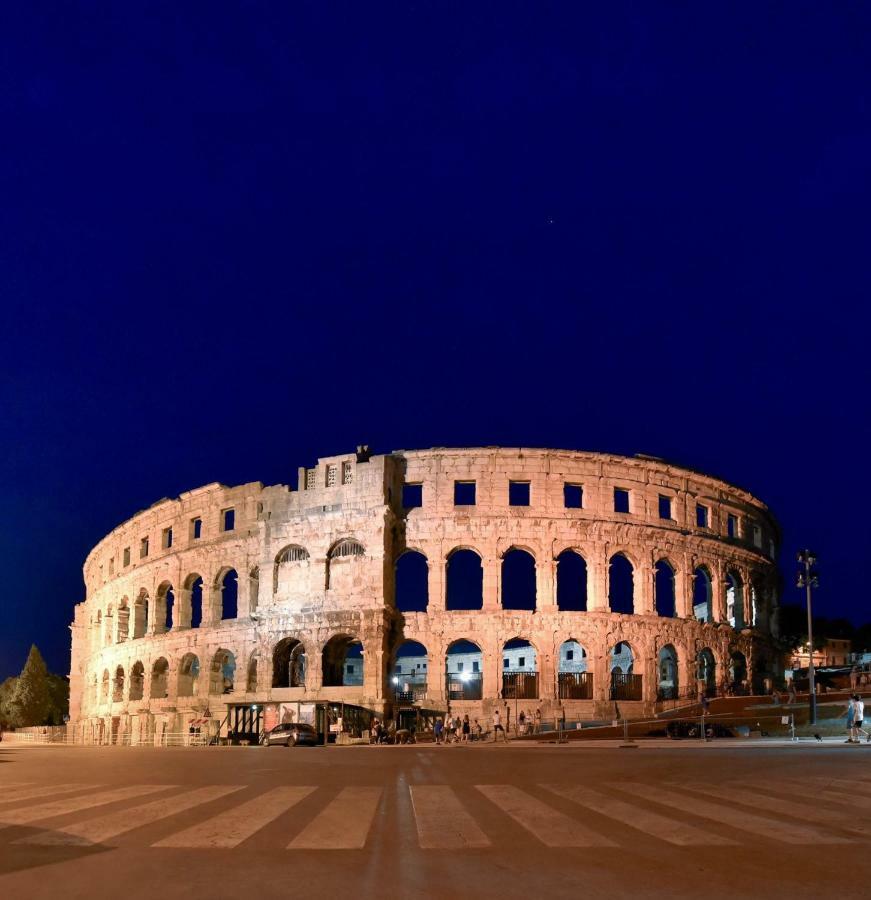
318 562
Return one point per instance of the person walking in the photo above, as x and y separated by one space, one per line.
467 728
858 718
537 719
497 726
438 730
478 732
521 723
851 713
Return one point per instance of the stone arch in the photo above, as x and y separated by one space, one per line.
290 569
253 588
706 672
123 619
108 623
518 586
464 670
520 674
412 582
104 687
137 681
738 672
343 560
734 588
98 636
574 678
668 680
160 679
703 594
118 685
140 614
571 581
621 584
464 582
251 677
342 660
164 607
188 675
664 598
227 583
409 670
288 663
625 681
193 585
222 672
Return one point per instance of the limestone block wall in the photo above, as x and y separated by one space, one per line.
190 602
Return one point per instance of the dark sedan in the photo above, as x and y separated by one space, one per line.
292 734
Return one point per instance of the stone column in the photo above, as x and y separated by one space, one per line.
123 623
718 594
435 584
212 604
548 660
492 664
597 580
643 589
683 594
243 594
182 608
492 581
545 584
435 672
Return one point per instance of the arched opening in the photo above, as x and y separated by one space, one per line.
668 673
663 589
343 561
108 624
574 678
93 691
755 604
164 600
621 585
160 679
251 679
137 681
288 664
735 600
625 684
253 588
518 580
229 587
118 685
194 584
409 672
706 673
519 670
140 614
465 581
222 675
412 582
738 683
702 595
571 582
169 602
98 637
188 675
291 570
464 670
123 620
104 690
343 662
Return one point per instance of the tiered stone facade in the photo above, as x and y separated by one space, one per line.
314 568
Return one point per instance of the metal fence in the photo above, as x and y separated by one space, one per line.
625 687
466 687
520 685
575 685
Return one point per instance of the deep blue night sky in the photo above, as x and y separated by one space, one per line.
237 237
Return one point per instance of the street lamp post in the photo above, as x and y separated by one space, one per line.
807 578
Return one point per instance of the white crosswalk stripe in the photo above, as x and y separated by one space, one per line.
230 828
551 827
76 804
344 824
786 832
442 821
773 804
33 793
105 828
663 827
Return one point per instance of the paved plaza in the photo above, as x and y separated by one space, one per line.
679 820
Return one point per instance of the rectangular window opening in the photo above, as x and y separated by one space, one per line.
310 475
196 528
518 493
346 473
702 516
167 538
228 519
332 472
412 496
475 666
464 493
665 507
573 496
732 526
459 667
757 536
621 500
143 548
126 556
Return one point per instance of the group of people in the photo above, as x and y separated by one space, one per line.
379 733
453 730
855 719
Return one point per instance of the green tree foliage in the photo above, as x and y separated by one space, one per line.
7 689
31 699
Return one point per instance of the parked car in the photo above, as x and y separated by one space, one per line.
292 734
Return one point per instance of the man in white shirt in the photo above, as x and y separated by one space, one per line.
858 716
497 726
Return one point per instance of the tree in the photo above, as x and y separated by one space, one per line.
31 699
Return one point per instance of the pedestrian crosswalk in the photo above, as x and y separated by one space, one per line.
558 815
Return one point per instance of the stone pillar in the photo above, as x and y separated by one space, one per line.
643 590
597 580
243 595
683 594
718 595
435 672
545 585
492 664
548 660
492 581
435 584
182 608
123 623
212 604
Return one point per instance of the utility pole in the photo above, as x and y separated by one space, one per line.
807 578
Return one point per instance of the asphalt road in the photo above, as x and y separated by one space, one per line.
563 821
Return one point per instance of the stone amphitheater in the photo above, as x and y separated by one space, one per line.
579 584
